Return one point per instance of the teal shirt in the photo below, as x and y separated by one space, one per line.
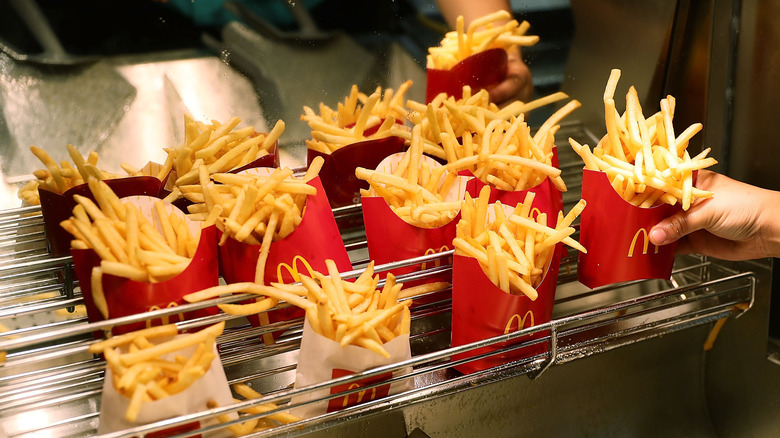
211 13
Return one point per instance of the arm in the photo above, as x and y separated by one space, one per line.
740 221
518 84
470 9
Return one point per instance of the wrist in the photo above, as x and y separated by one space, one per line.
770 223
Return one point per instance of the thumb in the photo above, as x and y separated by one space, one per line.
675 227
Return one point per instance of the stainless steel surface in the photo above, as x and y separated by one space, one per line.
50 386
623 361
754 95
629 35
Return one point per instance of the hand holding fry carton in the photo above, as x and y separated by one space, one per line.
638 174
476 55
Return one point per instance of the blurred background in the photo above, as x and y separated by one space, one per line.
117 77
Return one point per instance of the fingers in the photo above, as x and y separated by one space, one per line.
514 87
518 84
680 224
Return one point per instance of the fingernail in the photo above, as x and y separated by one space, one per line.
658 236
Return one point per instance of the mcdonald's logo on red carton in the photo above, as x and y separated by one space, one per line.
293 272
165 320
521 320
480 310
645 243
437 262
358 397
616 236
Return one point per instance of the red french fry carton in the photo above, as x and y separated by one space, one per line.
480 310
480 70
616 236
548 199
338 170
126 297
56 207
408 241
315 240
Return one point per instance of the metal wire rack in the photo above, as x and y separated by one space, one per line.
51 386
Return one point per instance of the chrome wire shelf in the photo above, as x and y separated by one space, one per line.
51 386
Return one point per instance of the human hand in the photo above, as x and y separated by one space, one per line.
739 222
517 85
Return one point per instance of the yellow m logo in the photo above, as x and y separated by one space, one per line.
293 270
165 319
535 212
430 251
360 395
645 242
520 321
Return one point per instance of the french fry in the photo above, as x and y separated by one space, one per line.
414 191
221 147
495 30
332 129
645 162
127 243
496 145
59 177
145 371
258 424
515 248
257 210
346 312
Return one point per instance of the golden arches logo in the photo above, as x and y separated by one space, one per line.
520 321
535 212
645 242
293 270
431 251
360 395
165 319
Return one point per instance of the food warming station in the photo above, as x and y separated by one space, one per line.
622 360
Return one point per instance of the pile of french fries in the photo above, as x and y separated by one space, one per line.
514 249
348 312
332 129
645 162
256 424
221 147
415 190
251 208
507 156
482 34
59 177
469 114
128 244
145 371
496 145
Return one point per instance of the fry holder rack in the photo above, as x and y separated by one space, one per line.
51 386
